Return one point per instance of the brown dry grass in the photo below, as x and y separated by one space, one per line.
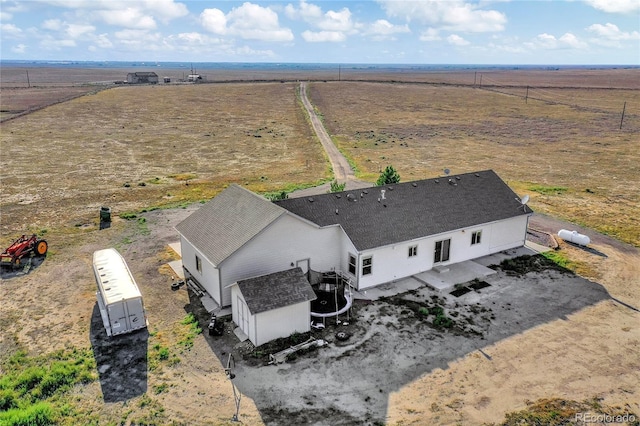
183 143
536 146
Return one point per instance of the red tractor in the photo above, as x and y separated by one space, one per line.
22 247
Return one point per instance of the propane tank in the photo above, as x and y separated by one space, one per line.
574 237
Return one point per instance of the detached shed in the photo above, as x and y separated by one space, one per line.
272 306
142 77
119 298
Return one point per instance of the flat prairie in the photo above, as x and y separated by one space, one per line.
565 147
72 141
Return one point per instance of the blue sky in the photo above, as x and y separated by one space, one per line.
567 32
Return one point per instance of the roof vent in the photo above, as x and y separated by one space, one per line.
476 175
391 188
382 191
436 181
414 184
361 194
338 196
457 177
351 197
336 211
365 191
311 199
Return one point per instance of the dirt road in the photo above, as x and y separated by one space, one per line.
340 165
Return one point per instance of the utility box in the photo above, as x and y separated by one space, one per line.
119 298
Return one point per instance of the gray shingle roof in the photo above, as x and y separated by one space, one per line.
413 209
276 290
228 221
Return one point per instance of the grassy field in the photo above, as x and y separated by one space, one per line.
143 147
137 147
567 151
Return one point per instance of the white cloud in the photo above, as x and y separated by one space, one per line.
550 42
307 12
323 36
19 48
5 16
49 43
615 6
129 17
213 20
10 30
102 40
112 11
430 34
249 21
332 25
612 32
383 29
453 15
456 40
76 30
52 24
166 10
570 40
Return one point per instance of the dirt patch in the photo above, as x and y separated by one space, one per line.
396 340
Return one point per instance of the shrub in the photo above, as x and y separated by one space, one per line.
337 187
388 176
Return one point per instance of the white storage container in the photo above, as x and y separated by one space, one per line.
119 298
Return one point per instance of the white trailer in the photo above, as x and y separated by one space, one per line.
119 298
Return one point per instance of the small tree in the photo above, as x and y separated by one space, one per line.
388 176
337 187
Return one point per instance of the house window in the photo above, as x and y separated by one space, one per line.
352 264
367 264
198 263
442 251
413 251
475 237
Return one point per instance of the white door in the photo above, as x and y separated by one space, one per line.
304 265
243 316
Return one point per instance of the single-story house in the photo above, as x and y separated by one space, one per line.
272 306
142 77
372 236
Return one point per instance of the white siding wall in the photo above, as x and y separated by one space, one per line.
282 322
393 262
209 278
270 325
346 248
284 242
508 234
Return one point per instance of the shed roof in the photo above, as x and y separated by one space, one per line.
144 74
412 210
228 221
277 290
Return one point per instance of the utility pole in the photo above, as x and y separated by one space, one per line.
28 82
622 118
526 97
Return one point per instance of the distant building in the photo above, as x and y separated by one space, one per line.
194 77
142 77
